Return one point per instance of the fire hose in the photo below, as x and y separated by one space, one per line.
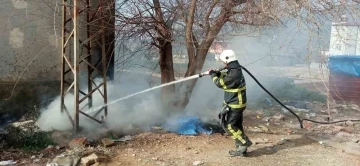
283 105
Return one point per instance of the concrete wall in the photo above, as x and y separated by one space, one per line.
29 31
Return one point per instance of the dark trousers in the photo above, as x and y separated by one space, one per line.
234 125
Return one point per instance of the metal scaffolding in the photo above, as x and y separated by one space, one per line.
74 61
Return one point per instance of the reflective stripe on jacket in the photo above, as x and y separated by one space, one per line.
233 83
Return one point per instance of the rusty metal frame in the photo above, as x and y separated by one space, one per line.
71 58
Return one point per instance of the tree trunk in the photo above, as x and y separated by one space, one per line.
166 69
165 51
186 88
196 66
196 63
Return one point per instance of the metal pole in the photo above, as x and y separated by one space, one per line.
76 64
103 52
89 59
62 55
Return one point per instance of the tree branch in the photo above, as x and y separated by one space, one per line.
161 27
188 32
208 13
196 43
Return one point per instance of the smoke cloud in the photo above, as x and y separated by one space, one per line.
142 110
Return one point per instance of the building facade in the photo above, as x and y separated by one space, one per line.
345 39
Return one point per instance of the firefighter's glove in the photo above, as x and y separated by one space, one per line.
217 73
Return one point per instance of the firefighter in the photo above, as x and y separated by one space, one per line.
231 117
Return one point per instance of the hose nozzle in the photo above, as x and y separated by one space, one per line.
207 72
204 74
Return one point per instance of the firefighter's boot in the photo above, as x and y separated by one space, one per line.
241 149
248 141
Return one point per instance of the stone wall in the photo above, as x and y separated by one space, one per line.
30 40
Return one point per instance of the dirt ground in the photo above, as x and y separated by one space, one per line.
171 149
277 138
281 143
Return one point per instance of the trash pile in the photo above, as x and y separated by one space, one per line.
80 151
187 126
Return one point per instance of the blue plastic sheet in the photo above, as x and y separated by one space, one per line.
187 126
348 65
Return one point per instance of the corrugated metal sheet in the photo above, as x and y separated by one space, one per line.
344 88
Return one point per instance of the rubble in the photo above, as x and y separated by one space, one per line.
259 129
258 116
263 128
261 141
255 129
68 161
282 141
297 109
266 119
332 111
290 131
349 123
26 125
342 129
156 129
50 148
278 117
87 155
338 128
93 158
78 142
84 151
354 107
298 105
107 142
23 124
198 163
8 162
61 138
307 125
125 138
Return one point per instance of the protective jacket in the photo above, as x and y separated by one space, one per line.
233 83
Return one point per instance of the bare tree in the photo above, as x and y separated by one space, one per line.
210 17
201 21
150 21
205 20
